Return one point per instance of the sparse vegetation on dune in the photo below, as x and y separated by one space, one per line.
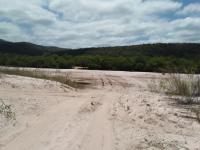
183 88
64 79
186 88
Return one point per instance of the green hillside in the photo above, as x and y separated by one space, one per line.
148 57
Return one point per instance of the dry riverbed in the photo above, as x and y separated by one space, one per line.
114 111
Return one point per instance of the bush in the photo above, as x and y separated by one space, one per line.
6 111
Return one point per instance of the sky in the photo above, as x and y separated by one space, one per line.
99 23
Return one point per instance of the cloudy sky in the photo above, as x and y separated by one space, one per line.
87 23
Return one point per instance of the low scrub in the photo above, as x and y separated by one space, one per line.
7 111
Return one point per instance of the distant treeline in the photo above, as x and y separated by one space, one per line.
147 57
125 63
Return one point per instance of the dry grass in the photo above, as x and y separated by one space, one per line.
185 89
64 79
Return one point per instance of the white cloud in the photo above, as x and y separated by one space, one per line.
193 8
86 23
25 12
11 32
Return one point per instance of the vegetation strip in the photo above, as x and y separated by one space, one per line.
65 79
146 58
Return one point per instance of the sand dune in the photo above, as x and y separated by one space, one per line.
116 111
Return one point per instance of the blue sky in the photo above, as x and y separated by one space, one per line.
88 23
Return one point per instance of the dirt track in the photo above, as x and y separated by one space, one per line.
116 111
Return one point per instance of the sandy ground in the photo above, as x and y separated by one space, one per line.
117 111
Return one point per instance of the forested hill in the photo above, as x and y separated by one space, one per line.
181 50
147 57
24 48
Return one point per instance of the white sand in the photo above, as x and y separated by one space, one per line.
116 112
